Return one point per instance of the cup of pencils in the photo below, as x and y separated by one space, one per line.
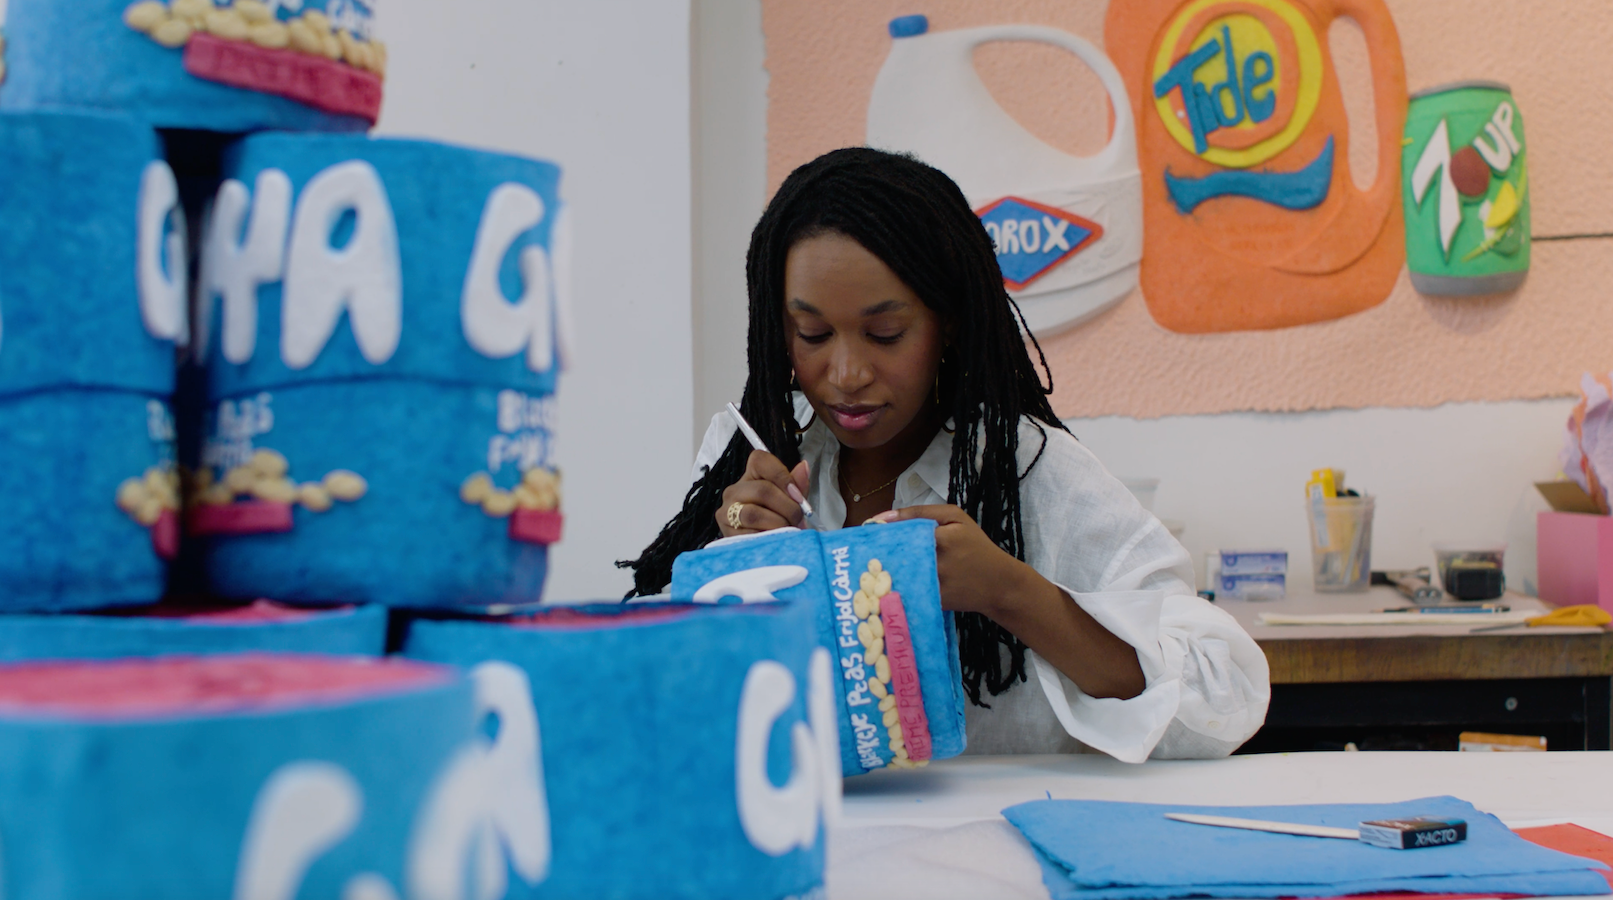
1341 534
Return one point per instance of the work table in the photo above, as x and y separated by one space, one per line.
1314 654
938 832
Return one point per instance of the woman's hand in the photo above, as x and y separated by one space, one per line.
976 574
768 496
979 576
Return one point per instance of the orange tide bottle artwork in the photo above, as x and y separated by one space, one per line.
1251 218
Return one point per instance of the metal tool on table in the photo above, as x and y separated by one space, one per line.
1440 610
1413 583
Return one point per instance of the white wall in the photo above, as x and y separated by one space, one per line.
603 90
1460 471
730 169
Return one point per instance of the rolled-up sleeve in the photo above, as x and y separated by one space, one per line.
1207 684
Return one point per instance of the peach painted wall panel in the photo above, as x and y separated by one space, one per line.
1408 351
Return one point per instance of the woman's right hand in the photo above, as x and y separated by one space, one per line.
768 496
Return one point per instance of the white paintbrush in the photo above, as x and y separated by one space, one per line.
756 442
1348 834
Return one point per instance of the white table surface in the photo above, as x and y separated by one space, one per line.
938 832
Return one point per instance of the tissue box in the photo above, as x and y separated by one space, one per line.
1254 562
1253 586
1574 554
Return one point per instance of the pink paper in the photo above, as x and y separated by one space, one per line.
189 685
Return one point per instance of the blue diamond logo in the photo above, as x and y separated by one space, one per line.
1032 239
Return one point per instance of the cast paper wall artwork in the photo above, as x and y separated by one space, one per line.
1466 174
1068 229
1374 340
1250 219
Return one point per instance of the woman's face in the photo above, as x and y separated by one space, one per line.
865 347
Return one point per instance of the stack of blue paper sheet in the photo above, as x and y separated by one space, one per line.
1097 850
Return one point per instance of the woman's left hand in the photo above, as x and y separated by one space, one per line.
976 574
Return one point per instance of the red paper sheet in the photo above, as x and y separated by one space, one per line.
1566 838
1573 839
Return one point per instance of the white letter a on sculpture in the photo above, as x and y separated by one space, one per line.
363 278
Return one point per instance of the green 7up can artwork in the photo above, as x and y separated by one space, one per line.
1466 190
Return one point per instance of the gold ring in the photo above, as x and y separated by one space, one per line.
733 513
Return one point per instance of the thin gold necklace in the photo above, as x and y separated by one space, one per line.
856 497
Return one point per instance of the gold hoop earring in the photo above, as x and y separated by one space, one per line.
802 430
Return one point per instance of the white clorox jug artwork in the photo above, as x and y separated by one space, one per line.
1068 229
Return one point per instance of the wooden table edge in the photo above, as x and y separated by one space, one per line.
1438 658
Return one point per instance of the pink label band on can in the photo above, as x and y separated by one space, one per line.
165 534
322 83
536 526
241 517
905 685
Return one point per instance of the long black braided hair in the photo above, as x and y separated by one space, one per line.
916 221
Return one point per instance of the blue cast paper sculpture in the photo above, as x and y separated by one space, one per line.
686 752
234 775
382 323
344 631
215 65
92 288
877 609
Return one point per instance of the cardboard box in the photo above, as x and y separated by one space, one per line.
1574 554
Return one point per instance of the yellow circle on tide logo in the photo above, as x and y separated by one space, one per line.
1236 81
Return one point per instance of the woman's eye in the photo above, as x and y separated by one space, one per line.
818 338
887 338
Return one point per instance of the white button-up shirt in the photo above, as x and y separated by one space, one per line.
1207 683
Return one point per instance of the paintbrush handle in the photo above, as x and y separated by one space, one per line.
745 429
1348 834
756 443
